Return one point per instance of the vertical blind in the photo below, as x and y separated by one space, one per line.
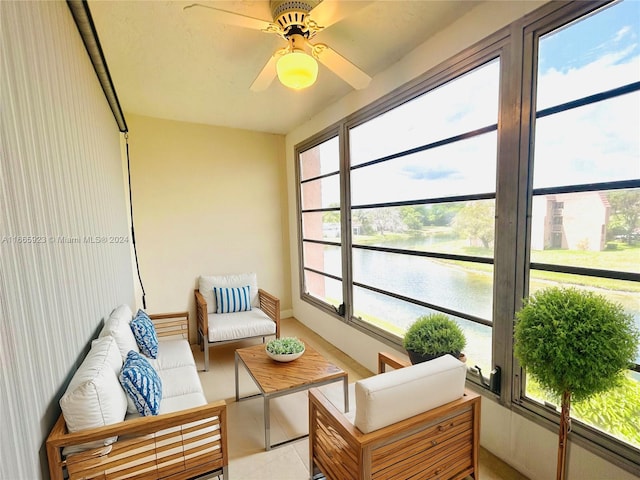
65 259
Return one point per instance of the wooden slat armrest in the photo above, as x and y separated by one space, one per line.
391 360
344 427
202 317
270 305
59 437
171 324
184 315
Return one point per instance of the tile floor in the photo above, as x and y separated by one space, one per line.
289 415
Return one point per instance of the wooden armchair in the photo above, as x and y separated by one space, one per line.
440 443
261 321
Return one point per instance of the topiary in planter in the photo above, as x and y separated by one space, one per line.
432 336
575 344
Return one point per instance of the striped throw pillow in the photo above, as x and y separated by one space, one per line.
232 299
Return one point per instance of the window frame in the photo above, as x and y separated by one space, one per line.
516 46
326 135
543 21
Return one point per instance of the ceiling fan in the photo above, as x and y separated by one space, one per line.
297 22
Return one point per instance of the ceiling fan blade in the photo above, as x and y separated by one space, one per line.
266 75
340 66
329 12
231 18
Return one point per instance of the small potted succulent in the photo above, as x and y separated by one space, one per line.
432 336
285 349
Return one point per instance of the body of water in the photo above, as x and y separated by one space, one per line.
456 286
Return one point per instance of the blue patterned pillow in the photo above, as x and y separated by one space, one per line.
232 299
142 384
145 334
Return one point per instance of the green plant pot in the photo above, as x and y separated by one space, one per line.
416 357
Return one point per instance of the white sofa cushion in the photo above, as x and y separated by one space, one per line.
109 347
94 397
233 326
180 381
393 396
122 312
176 404
172 354
206 284
118 326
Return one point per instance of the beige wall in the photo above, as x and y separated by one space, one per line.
207 200
527 446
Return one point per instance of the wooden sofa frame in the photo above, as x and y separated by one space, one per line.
269 304
176 445
439 444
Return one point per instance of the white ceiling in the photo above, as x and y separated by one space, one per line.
178 64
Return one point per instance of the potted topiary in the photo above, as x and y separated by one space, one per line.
285 349
432 336
575 344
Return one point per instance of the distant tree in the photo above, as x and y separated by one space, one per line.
362 218
331 217
441 215
625 212
476 221
386 219
414 216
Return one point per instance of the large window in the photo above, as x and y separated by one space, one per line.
585 222
423 183
321 229
513 166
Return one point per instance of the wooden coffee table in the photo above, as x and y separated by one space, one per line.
275 379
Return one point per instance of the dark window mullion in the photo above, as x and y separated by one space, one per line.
324 274
420 253
322 242
581 102
429 146
414 301
427 201
586 272
588 187
319 177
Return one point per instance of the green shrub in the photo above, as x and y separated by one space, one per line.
574 341
434 334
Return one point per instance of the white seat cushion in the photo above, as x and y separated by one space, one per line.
233 326
176 404
206 284
179 381
393 396
172 354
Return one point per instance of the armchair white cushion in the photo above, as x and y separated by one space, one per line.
207 282
390 397
261 320
230 326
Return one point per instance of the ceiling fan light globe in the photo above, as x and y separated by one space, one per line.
297 70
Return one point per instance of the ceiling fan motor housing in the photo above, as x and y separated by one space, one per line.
292 16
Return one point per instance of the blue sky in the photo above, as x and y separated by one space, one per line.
612 29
